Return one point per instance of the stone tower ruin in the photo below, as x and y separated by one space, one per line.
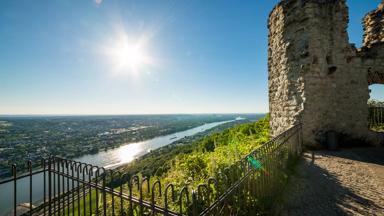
316 77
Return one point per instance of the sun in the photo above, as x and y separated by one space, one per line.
128 56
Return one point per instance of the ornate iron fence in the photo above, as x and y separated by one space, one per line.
252 186
65 187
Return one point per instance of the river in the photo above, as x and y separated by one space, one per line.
108 159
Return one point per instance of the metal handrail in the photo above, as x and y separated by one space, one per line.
249 171
68 185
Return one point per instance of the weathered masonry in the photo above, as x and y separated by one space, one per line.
316 76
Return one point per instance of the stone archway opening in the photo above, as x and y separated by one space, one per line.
376 107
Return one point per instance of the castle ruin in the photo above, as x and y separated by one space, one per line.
316 77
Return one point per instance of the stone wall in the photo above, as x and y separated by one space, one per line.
372 52
315 76
371 60
373 23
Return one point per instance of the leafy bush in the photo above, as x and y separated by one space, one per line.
216 152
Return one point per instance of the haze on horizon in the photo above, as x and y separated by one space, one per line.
140 57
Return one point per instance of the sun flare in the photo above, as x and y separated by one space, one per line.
128 55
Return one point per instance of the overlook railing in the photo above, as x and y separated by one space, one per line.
376 117
65 187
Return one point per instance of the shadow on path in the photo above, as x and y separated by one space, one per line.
373 155
334 184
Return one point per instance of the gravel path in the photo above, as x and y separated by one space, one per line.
347 182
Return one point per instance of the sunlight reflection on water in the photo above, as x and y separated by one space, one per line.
129 152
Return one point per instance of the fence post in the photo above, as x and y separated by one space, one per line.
49 186
14 173
104 195
58 187
30 186
194 203
45 183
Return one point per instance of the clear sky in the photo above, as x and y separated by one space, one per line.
179 56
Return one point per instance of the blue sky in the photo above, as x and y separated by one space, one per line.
199 56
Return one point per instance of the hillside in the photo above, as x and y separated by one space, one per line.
203 158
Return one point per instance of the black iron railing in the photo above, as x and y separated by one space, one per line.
250 187
376 117
65 187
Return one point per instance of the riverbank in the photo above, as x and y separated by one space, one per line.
145 164
121 155
188 164
71 137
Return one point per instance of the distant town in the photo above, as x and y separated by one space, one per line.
31 138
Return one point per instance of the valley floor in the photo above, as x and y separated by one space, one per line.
346 182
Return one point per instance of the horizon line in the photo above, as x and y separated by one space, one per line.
126 114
